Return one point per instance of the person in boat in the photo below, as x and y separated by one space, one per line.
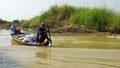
15 30
42 37
18 30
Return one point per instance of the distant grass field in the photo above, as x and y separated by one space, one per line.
98 19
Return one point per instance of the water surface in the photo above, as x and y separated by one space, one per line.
15 55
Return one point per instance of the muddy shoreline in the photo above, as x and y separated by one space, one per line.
81 33
65 32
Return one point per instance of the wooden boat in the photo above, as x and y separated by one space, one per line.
17 39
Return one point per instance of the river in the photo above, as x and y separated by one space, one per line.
13 55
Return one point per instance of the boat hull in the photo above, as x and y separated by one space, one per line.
17 39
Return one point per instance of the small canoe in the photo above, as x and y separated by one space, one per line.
17 39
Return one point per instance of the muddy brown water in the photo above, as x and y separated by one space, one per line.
13 55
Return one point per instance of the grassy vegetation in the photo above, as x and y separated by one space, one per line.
60 17
96 19
34 22
114 26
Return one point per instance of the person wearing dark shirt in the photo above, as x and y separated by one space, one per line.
42 37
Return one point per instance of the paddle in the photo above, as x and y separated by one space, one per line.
50 41
49 34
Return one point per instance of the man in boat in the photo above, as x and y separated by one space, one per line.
15 30
18 30
42 37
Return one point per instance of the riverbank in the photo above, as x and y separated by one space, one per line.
56 32
66 31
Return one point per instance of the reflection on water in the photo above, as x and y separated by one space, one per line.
4 32
6 61
5 38
88 58
93 61
44 52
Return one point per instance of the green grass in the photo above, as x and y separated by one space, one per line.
98 19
